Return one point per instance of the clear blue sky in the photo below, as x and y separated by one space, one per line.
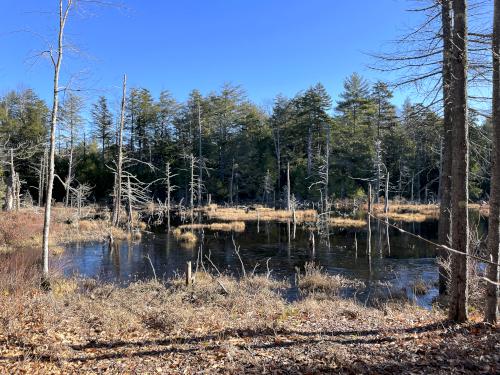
267 46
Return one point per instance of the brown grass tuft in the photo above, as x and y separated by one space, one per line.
345 222
186 238
260 213
236 226
315 280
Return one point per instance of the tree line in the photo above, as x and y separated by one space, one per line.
241 149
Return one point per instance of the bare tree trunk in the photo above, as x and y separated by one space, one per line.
41 178
231 185
200 161
492 291
168 176
460 167
444 227
129 205
63 16
386 198
288 201
191 196
327 168
119 163
379 172
309 150
369 225
70 166
11 181
17 192
277 148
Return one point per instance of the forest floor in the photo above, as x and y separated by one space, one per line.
218 324
223 325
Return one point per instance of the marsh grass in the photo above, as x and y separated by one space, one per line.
23 229
232 226
346 222
259 213
315 280
420 287
408 212
186 238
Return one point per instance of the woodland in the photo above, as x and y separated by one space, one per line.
79 169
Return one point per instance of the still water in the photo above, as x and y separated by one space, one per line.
396 258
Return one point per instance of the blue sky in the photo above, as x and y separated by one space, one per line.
267 46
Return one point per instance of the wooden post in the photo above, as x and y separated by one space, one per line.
312 244
355 246
188 273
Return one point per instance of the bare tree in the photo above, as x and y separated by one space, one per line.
119 162
288 188
42 175
9 155
56 61
492 293
444 226
71 118
460 167
200 157
169 189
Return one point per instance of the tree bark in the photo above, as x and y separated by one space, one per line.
168 176
288 201
444 226
70 165
11 181
386 197
327 167
492 291
200 161
309 150
119 163
460 167
63 16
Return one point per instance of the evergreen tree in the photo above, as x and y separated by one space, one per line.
103 122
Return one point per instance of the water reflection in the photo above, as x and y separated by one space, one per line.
394 257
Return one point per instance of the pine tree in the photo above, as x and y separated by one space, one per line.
103 122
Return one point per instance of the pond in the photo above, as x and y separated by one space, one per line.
396 258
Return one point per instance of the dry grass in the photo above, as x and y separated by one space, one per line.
24 229
249 327
345 222
483 209
406 217
186 238
315 280
232 226
420 287
259 213
408 212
